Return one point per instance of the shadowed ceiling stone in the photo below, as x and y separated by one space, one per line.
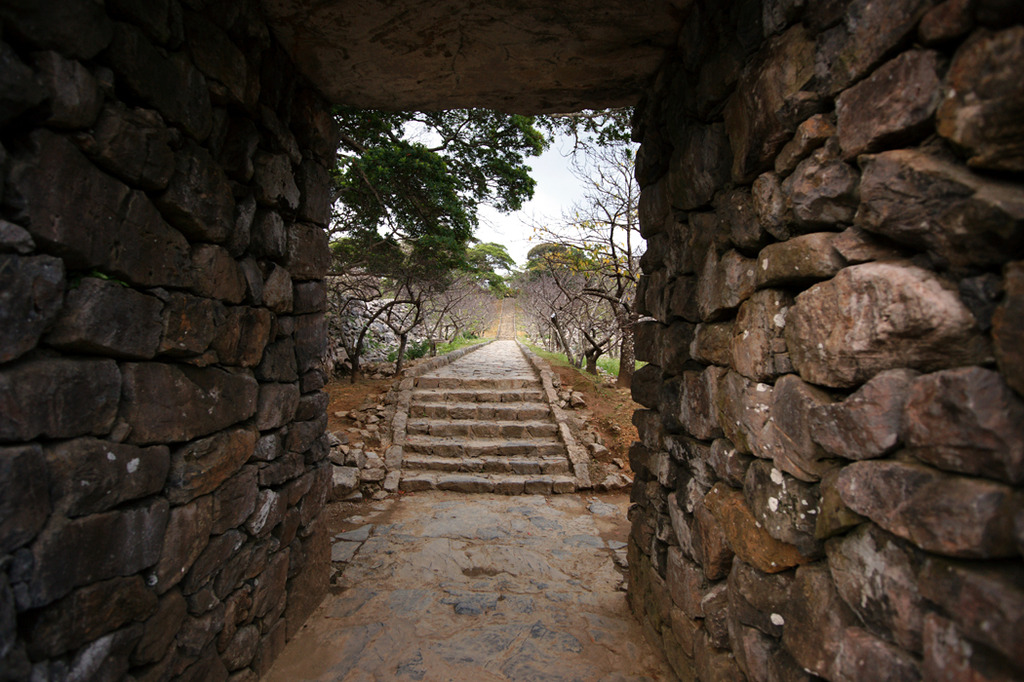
533 56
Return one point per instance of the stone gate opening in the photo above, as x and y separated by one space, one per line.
831 447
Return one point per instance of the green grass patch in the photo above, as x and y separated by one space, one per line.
460 342
611 365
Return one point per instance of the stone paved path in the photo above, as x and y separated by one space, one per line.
477 588
481 424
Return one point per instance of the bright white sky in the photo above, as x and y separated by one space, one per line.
556 191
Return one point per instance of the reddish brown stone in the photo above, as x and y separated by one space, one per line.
278 362
867 423
203 400
786 507
234 500
188 532
699 165
877 316
31 294
863 656
737 217
949 515
1008 328
770 101
963 220
133 144
713 664
751 543
815 621
221 278
116 543
950 657
757 348
62 196
758 599
728 464
87 614
822 190
793 449
160 629
857 246
834 516
686 583
24 495
198 201
807 258
217 553
876 575
58 398
724 283
277 290
110 319
201 466
985 601
892 106
947 21
90 475
277 405
310 341
166 81
810 135
968 421
697 411
866 33
743 410
712 544
771 205
981 115
243 336
189 323
711 343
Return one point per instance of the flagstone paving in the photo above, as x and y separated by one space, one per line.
442 586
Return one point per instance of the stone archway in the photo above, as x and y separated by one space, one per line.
823 327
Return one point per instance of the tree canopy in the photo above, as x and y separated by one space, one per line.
417 178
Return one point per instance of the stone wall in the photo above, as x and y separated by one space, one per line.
829 478
162 457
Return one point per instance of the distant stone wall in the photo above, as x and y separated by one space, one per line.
162 457
829 479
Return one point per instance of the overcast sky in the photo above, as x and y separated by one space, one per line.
556 190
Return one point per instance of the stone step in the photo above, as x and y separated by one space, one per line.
504 484
482 410
476 382
464 447
486 395
487 464
478 429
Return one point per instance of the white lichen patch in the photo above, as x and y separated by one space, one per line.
777 478
777 619
773 504
133 465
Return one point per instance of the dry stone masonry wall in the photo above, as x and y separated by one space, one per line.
164 183
829 478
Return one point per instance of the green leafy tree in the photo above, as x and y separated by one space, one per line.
491 263
418 177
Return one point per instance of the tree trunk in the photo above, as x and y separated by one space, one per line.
592 355
627 350
402 341
561 339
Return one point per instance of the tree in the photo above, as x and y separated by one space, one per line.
487 262
418 177
407 188
599 242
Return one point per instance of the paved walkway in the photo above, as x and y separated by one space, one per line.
444 587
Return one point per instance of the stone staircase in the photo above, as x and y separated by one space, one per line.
483 424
